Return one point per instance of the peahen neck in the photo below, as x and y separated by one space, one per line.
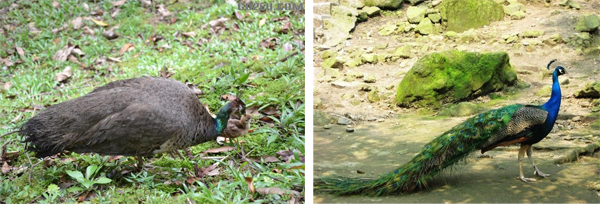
222 118
553 105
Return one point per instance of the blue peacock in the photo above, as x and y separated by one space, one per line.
524 124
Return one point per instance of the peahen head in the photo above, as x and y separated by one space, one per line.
234 106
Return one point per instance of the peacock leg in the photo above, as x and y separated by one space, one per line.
521 155
537 171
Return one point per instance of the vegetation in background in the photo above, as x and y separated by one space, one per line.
54 51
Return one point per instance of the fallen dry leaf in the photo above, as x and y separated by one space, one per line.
111 33
285 155
21 52
89 31
7 85
163 11
194 89
278 191
113 59
125 48
6 168
269 43
219 150
288 47
269 159
211 170
99 23
287 26
250 184
190 34
238 15
64 75
119 3
262 22
164 72
55 4
114 12
63 54
77 23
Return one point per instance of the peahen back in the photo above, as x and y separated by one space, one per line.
448 148
132 117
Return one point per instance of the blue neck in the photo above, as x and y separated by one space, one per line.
553 105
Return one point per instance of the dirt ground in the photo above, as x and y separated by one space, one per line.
379 147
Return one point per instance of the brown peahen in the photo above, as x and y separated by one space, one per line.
132 117
524 124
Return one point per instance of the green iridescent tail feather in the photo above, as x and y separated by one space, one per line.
443 151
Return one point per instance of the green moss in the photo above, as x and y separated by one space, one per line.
450 76
479 12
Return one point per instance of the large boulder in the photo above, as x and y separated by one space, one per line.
388 4
591 90
587 23
452 76
463 15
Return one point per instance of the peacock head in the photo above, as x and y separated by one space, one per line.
559 69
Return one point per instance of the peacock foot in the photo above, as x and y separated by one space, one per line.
526 180
539 173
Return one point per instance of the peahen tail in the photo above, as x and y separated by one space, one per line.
443 151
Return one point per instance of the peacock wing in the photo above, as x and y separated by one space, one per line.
519 128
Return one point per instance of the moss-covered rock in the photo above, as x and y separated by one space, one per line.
532 33
389 4
544 91
461 109
463 15
373 96
591 90
425 27
331 63
416 13
387 29
587 23
451 76
403 52
371 11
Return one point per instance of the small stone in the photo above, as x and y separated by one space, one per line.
372 11
381 46
425 27
340 84
355 102
380 120
353 63
327 126
365 87
390 87
403 52
343 121
576 119
435 17
369 78
517 15
373 96
532 33
387 29
317 103
349 129
370 58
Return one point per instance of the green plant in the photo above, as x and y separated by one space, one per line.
88 181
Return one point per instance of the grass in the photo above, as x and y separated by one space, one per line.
228 58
